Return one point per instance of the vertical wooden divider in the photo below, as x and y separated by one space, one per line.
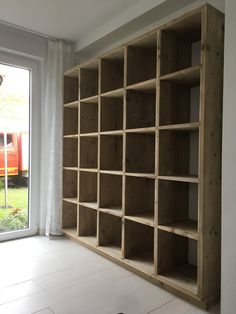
158 60
124 155
99 148
78 171
209 252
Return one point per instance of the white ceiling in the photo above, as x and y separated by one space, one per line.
64 19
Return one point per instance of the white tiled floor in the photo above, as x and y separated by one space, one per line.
43 276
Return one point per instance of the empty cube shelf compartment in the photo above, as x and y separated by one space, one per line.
89 80
139 199
180 45
111 113
88 188
141 109
69 216
178 104
88 117
70 152
141 59
178 153
87 224
111 192
111 151
88 152
177 260
71 88
112 71
178 213
70 121
110 233
139 245
70 184
140 152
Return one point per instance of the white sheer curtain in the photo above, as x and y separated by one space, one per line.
59 57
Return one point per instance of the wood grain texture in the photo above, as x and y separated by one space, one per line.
210 152
112 72
110 191
88 82
110 230
111 113
87 222
88 152
88 117
140 109
69 215
70 152
69 187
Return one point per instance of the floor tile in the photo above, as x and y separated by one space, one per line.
179 306
44 311
43 276
18 291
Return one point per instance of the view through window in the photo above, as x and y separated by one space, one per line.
14 148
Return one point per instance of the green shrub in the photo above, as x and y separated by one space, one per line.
14 221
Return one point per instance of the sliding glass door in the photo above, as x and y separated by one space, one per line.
17 215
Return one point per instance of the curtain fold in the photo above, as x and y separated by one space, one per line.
59 57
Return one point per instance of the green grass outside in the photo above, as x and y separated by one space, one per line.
17 197
15 217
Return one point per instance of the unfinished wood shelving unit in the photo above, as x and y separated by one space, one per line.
142 155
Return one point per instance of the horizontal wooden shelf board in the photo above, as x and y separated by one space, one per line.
74 72
145 41
192 126
71 199
146 265
71 168
186 228
75 136
146 218
141 175
182 23
114 55
151 130
189 76
92 240
117 93
92 205
90 64
88 169
145 86
73 104
117 173
184 276
110 171
72 232
189 179
90 100
116 211
111 249
94 134
115 132
144 268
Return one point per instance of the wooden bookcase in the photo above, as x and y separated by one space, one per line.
142 155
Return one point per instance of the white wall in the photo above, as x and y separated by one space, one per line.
21 42
228 290
159 15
